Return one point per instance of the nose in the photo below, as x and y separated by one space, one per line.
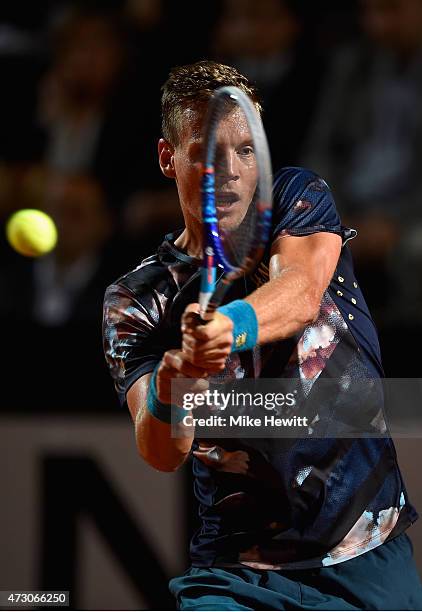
226 166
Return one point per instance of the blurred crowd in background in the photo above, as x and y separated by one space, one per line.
341 84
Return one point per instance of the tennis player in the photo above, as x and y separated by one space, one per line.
303 524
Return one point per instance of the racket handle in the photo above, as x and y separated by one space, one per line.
209 302
208 282
206 309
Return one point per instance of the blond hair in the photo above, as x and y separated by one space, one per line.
191 86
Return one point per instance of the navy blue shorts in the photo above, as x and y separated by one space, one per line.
384 578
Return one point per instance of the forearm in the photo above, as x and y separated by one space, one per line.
285 305
300 270
159 445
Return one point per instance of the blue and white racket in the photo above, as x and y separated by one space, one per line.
236 194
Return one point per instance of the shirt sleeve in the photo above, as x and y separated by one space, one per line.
129 325
304 205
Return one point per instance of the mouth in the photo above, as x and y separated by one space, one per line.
225 200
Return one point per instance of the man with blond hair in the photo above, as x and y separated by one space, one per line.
306 524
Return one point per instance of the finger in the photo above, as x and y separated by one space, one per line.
192 308
213 455
218 326
199 386
226 461
207 356
203 332
198 359
213 367
191 321
190 316
177 360
189 341
178 392
164 371
222 343
208 366
189 352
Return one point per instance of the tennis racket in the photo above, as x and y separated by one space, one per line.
236 194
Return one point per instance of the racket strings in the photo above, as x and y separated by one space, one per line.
236 191
237 184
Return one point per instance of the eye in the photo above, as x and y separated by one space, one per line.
246 151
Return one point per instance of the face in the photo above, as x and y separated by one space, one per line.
235 168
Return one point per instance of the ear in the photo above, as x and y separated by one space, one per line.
166 158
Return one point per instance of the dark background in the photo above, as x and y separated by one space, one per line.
80 119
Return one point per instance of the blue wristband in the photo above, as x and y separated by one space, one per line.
167 413
245 324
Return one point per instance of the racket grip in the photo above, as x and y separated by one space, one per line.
206 309
208 277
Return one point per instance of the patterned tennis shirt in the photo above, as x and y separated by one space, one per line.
284 503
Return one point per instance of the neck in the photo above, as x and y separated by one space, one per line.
191 239
190 242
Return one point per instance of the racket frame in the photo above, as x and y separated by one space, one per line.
213 289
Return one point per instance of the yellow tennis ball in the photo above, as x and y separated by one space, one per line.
31 232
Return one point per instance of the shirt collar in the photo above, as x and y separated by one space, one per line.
168 247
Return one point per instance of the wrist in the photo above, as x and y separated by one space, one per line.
245 324
166 413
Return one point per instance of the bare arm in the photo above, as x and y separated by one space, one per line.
129 323
154 439
301 269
